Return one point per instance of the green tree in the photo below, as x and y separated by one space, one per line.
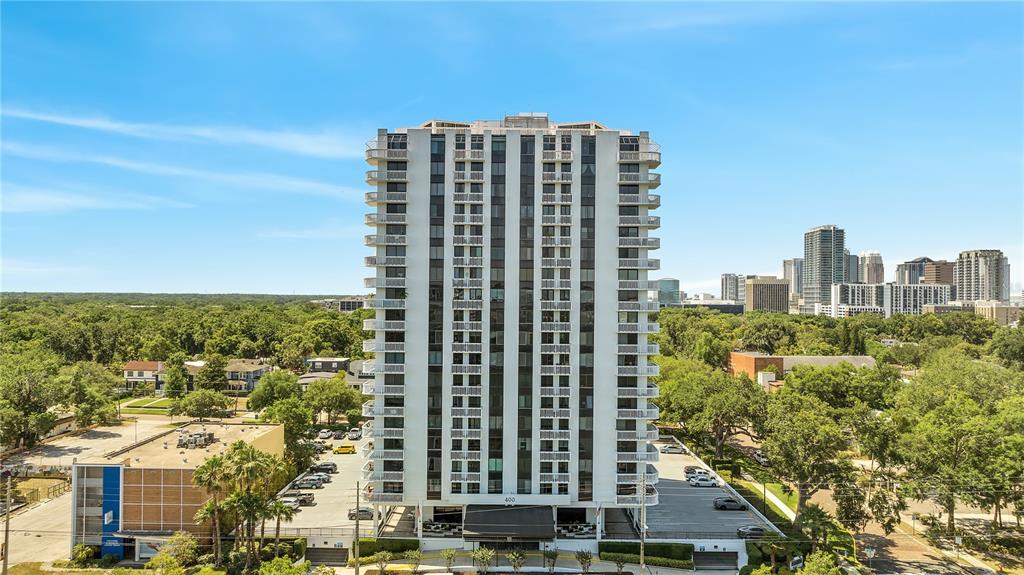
284 566
183 547
767 333
584 558
297 419
731 406
821 563
280 511
213 475
550 559
414 557
87 390
202 404
851 506
816 523
448 554
273 387
332 396
212 375
482 557
382 558
516 559
292 351
28 390
1008 345
175 376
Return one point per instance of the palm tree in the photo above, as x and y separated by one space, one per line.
209 512
212 476
280 510
816 521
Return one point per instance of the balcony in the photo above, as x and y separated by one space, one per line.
554 478
467 326
638 370
650 200
374 324
385 240
466 433
384 261
650 476
639 327
650 454
555 348
646 243
557 412
551 391
377 151
469 176
639 306
640 264
556 284
555 456
650 413
547 305
375 303
371 366
555 434
459 476
642 285
650 157
381 283
370 409
555 177
556 241
381 219
467 411
649 434
374 198
556 155
648 391
556 262
557 219
389 454
468 240
467 390
383 176
634 499
556 198
465 455
374 346
467 304
383 497
651 179
470 155
467 218
462 347
469 198
555 369
379 475
641 221
384 432
460 369
468 282
649 349
467 262
556 326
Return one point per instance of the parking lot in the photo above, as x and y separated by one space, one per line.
334 499
64 450
684 511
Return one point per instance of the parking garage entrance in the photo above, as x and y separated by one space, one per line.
504 528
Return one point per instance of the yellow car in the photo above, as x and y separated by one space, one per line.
345 449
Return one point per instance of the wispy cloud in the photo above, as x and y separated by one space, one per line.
18 199
248 180
332 229
325 144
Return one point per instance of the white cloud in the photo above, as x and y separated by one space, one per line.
17 198
324 144
252 180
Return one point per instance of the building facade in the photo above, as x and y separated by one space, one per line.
939 272
824 263
766 293
732 287
890 298
793 270
999 312
852 268
511 264
668 292
982 275
911 272
871 268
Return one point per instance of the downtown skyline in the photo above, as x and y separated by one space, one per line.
135 162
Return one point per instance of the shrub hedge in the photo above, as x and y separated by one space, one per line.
370 546
754 555
680 551
656 561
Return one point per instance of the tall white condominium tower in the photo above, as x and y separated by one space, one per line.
872 269
982 275
510 390
824 263
793 270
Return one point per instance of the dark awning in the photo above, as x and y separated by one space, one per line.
501 523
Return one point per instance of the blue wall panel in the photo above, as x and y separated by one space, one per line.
112 512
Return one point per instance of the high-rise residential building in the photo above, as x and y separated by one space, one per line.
939 272
852 268
871 268
512 363
766 293
982 275
824 263
668 292
911 272
732 287
793 270
888 299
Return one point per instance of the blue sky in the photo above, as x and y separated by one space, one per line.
185 147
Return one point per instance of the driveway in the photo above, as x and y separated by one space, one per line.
42 533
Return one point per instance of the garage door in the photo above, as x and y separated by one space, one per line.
715 559
327 555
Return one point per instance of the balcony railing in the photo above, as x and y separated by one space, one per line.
642 221
555 369
637 370
463 155
564 241
643 285
381 283
555 348
639 327
466 411
551 177
374 346
556 284
650 454
551 391
650 413
467 304
464 197
391 454
641 264
556 198
650 157
649 434
384 261
371 366
467 262
555 455
467 218
370 409
648 391
385 240
374 198
558 412
465 455
466 433
650 178
383 433
650 499
377 151
639 306
554 477
547 305
374 324
467 390
375 303
647 243
556 262
465 476
468 240
461 369
462 347
649 200
649 349
376 219
558 219
556 155
467 326
380 176
467 282
555 326
462 176
379 497
555 434
380 475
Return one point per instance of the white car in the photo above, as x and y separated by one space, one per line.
325 434
760 458
672 448
355 434
291 502
703 481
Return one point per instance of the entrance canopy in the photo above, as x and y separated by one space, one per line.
501 523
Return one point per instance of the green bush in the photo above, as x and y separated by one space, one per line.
371 546
299 548
656 561
747 569
754 555
681 551
108 561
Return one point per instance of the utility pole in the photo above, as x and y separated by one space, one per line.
355 539
643 517
7 520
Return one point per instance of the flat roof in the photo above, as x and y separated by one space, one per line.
161 451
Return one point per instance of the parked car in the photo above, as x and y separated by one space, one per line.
303 497
348 448
729 504
325 434
355 434
323 477
340 434
324 467
291 502
703 481
672 448
751 532
362 513
308 483
760 458
694 471
691 469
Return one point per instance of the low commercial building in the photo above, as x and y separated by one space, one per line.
331 364
768 370
766 293
999 312
130 501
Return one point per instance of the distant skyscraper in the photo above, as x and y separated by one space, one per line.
732 287
872 270
766 293
982 275
793 270
912 271
824 263
939 272
668 292
852 272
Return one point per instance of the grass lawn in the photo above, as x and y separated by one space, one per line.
142 402
788 498
36 569
746 489
162 402
143 411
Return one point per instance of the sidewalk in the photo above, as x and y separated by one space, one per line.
772 498
534 564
